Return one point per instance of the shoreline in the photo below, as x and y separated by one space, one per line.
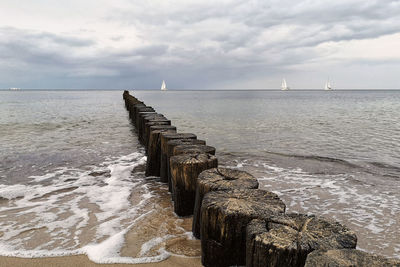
83 260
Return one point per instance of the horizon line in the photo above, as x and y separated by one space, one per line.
213 89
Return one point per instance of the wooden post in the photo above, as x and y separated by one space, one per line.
132 111
165 137
218 179
146 118
185 169
348 258
154 150
130 101
193 149
137 108
286 240
171 144
125 95
143 109
141 113
141 122
223 220
147 126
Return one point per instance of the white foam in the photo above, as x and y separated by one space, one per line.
12 191
239 165
48 175
59 209
274 168
146 247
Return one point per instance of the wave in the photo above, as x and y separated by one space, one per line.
317 158
72 211
262 154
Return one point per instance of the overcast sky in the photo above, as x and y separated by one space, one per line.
195 44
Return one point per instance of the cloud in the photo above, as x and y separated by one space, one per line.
196 44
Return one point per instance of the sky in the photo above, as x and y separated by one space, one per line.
199 44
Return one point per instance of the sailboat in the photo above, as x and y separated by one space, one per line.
284 85
328 85
163 86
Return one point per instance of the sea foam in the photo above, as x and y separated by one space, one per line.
72 211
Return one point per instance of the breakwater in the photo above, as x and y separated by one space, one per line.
237 223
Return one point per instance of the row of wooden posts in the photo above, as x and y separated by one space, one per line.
238 224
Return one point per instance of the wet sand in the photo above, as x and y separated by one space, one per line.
83 261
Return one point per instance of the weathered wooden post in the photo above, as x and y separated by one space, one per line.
171 144
129 104
147 126
286 240
125 95
143 112
185 169
165 137
132 110
140 116
223 220
135 111
348 258
154 150
146 118
218 179
130 101
193 149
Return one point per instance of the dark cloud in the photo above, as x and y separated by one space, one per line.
19 35
180 42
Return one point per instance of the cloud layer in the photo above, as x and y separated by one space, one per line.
199 44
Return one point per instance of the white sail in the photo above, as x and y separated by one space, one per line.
328 86
284 85
163 86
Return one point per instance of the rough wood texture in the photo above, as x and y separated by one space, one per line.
223 220
170 148
141 114
132 110
348 258
164 159
136 109
287 240
130 101
154 149
142 122
147 129
185 169
217 179
193 149
145 133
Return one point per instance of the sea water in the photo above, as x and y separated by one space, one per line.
72 181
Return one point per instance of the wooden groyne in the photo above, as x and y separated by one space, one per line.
237 223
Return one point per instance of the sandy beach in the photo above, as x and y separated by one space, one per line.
83 261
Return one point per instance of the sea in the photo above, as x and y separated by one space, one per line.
72 170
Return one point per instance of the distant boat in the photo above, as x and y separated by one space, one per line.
328 85
284 85
163 86
14 88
